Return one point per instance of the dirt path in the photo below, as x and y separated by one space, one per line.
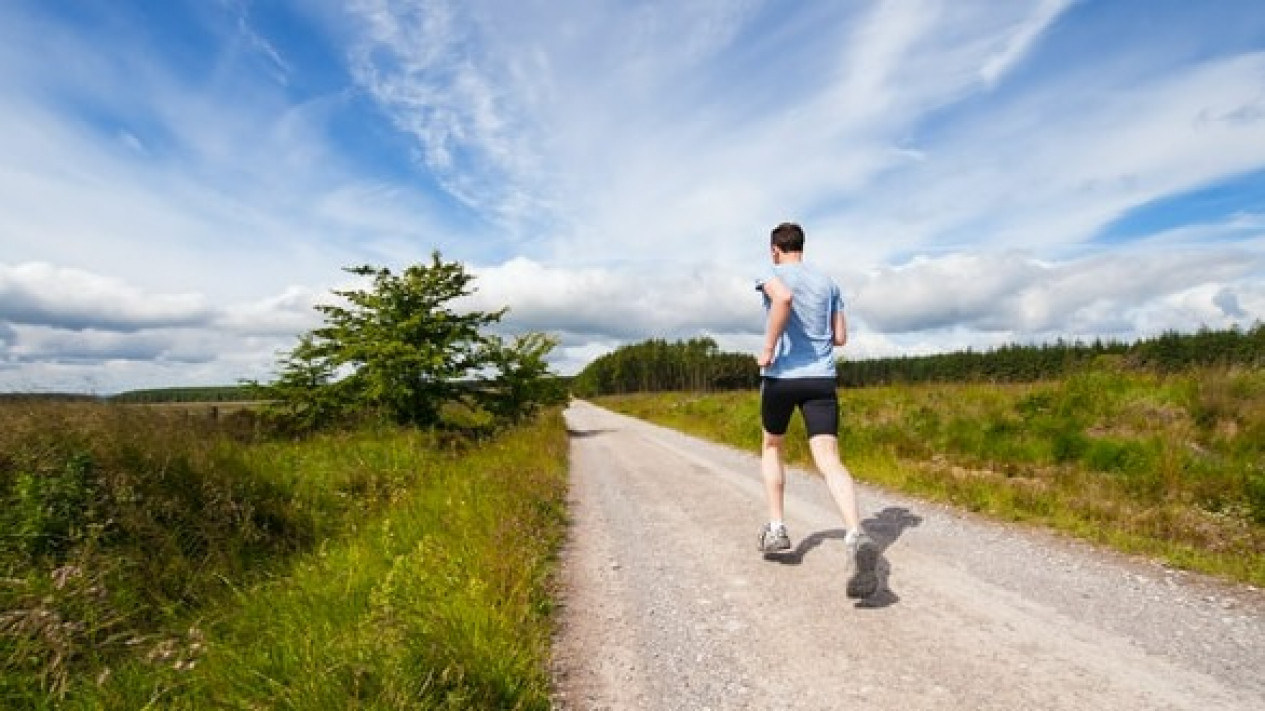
668 605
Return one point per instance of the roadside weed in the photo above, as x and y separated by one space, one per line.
163 565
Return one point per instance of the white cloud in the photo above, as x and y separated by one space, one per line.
607 304
1021 39
287 314
76 327
1119 293
422 62
172 184
72 299
1058 163
90 346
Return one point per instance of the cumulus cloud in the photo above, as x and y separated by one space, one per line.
87 346
74 323
617 304
289 313
1228 301
73 299
1133 291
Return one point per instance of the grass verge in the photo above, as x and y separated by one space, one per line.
385 569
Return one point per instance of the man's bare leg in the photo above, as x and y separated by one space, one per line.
774 471
773 537
825 449
862 553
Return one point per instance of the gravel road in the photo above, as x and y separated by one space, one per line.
667 605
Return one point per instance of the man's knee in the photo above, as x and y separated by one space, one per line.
824 446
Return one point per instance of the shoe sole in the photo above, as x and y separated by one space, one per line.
773 551
864 582
776 553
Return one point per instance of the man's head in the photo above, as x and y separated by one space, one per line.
787 237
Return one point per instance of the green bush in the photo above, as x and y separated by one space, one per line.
1255 490
48 512
1067 443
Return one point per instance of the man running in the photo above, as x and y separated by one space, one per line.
805 323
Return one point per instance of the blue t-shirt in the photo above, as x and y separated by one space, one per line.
806 348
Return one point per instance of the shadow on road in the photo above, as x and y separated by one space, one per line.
579 434
795 556
887 525
884 527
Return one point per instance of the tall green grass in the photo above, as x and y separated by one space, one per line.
149 560
1168 466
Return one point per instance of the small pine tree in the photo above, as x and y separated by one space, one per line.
400 351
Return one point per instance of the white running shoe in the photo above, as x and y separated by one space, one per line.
774 540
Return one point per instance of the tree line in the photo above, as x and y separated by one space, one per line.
1170 352
696 364
699 365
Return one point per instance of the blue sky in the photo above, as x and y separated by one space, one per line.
181 181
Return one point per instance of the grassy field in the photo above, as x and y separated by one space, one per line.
1171 467
167 558
159 558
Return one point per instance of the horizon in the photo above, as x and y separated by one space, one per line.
840 360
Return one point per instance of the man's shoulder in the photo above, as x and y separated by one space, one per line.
810 273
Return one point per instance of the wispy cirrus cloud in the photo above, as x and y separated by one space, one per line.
426 64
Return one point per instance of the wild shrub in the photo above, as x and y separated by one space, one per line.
1255 487
49 511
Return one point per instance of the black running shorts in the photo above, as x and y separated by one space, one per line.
816 398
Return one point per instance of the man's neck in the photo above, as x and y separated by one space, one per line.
790 258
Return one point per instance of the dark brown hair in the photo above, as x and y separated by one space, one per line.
788 237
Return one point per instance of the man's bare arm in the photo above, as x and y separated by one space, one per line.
779 314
